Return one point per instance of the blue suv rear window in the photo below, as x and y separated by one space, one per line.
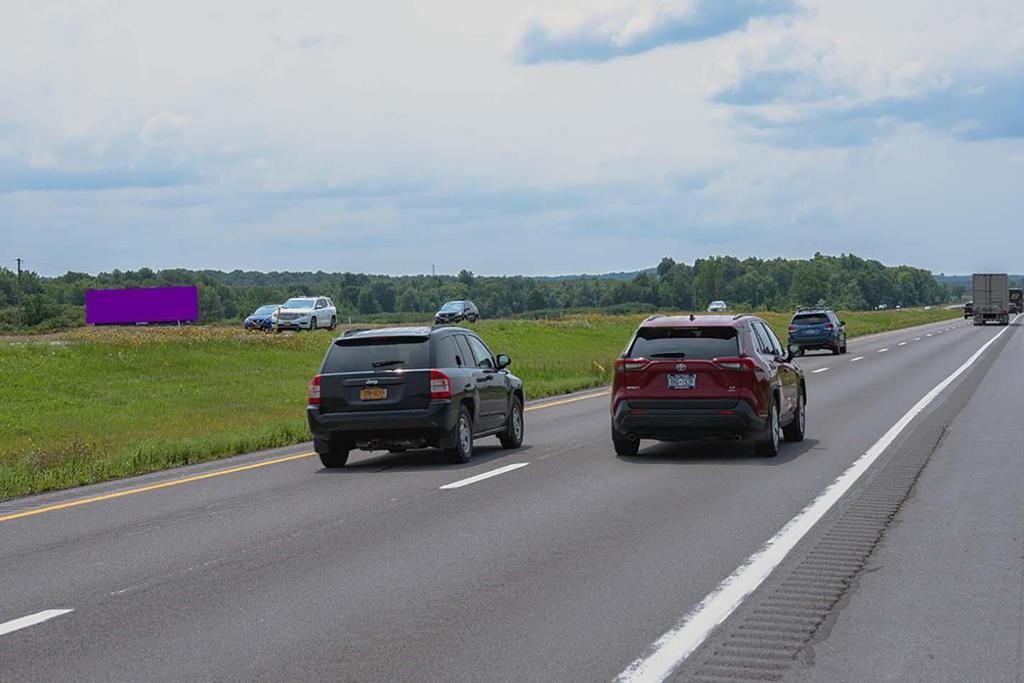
811 319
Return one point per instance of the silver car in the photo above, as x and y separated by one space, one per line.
717 307
306 313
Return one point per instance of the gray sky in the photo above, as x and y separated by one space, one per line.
515 137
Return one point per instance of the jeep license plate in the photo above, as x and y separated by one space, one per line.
687 381
373 394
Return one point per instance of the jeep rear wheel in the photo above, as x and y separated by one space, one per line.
461 436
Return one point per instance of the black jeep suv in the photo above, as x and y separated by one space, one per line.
412 387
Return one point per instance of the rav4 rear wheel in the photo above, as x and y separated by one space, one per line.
624 446
794 431
768 446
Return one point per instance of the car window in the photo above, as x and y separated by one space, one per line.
465 355
810 319
446 353
481 352
320 303
776 344
377 353
764 344
702 343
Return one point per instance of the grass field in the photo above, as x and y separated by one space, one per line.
96 404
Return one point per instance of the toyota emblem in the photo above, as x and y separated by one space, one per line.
680 366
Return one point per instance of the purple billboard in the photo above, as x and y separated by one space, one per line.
145 305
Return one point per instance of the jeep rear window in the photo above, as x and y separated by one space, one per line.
377 354
810 319
700 343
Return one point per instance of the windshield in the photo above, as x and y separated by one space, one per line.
700 343
452 306
264 310
381 353
298 303
810 319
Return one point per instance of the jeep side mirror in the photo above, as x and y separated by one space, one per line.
503 361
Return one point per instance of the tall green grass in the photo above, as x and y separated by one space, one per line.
97 404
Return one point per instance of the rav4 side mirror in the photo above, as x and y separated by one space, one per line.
503 361
792 351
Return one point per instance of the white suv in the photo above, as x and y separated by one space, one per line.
717 307
306 313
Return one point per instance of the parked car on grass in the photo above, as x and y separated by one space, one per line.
402 388
261 319
307 313
456 312
817 329
692 376
717 307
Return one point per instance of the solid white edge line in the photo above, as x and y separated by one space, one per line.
480 477
31 620
669 651
854 360
815 372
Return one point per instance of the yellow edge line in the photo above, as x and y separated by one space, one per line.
552 404
218 473
151 487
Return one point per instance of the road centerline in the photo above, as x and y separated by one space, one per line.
815 372
854 360
31 620
480 477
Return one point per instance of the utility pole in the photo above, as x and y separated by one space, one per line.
17 324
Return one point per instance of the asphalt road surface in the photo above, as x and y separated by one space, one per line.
568 564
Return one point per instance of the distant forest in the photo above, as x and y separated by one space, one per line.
843 282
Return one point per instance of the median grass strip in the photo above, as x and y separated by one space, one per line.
102 403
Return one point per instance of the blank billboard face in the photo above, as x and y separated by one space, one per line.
144 305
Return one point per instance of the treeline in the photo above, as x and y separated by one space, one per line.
846 282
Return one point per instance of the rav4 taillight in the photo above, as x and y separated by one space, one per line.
736 363
314 391
630 364
440 385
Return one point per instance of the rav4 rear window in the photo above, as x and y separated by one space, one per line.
810 319
377 354
701 343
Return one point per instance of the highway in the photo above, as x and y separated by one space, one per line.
566 563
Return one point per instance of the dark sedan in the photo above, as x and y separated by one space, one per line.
261 318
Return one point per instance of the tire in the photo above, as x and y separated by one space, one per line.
842 349
337 457
334 322
625 448
512 437
768 447
462 438
794 431
312 323
837 350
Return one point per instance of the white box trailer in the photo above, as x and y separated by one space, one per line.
991 298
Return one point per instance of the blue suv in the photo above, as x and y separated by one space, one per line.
817 329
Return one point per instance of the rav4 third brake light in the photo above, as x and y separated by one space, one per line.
440 385
314 391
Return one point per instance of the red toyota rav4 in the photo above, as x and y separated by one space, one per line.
685 377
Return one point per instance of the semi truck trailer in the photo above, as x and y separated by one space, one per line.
991 298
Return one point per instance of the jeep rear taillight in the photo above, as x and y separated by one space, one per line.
440 385
736 363
314 391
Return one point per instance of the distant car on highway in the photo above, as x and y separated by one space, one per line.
969 309
401 388
307 313
717 307
261 319
456 312
817 329
693 376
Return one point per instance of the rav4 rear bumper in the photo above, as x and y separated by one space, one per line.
674 424
429 426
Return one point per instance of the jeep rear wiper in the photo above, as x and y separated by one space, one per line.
382 363
669 354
